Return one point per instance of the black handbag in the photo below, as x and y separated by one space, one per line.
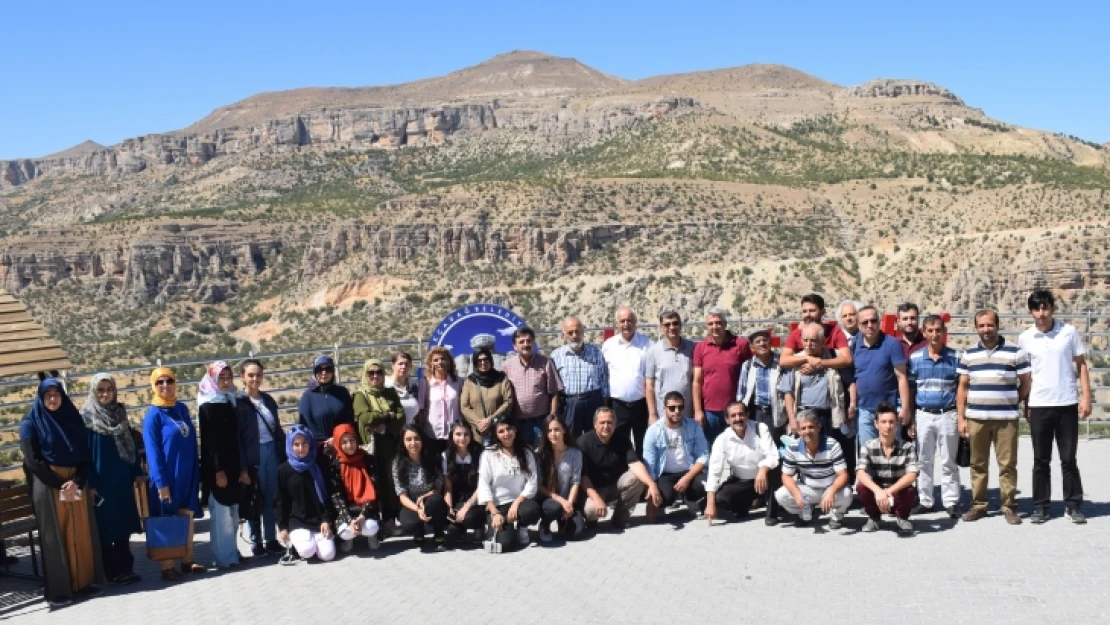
963 453
250 499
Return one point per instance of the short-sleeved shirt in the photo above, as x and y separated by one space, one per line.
604 463
584 372
568 471
625 360
910 347
1052 357
886 471
993 380
818 470
874 371
671 368
534 384
834 338
934 381
720 367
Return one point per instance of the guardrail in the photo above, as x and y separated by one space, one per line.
1086 323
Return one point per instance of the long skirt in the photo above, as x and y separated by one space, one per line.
70 542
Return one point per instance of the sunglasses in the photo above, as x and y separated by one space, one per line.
481 360
671 324
674 408
374 372
868 322
326 370
165 382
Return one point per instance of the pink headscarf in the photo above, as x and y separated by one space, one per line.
208 391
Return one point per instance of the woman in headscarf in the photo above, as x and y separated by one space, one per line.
486 394
221 468
263 452
304 507
352 489
380 419
115 471
56 459
406 386
170 440
324 404
439 399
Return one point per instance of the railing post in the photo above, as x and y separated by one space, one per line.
335 356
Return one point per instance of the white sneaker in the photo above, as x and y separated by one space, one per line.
347 546
522 537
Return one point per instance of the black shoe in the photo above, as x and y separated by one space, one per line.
440 544
919 509
953 512
771 521
59 602
90 591
275 546
1040 515
419 540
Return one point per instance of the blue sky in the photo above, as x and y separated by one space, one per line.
111 70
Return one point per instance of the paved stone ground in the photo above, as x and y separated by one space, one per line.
679 570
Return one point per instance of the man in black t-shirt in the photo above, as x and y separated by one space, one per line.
611 472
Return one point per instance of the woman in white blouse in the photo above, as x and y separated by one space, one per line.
507 489
406 386
439 399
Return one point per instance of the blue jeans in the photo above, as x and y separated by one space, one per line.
714 425
531 430
222 528
267 479
867 430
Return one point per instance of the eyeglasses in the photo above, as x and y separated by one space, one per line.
868 322
165 382
674 408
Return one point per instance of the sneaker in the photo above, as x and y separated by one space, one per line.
491 546
1011 516
953 512
579 523
522 538
545 534
1039 515
374 543
258 551
871 526
920 509
905 527
440 543
419 540
347 546
974 514
834 523
1076 516
60 602
696 507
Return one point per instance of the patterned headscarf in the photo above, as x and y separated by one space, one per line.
208 391
109 419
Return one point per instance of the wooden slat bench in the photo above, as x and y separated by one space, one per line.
18 518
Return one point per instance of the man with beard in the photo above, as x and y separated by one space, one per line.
912 338
676 453
535 383
584 375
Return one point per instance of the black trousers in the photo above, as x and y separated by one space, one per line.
1062 424
632 421
666 484
763 415
578 411
474 519
435 507
528 513
736 495
117 558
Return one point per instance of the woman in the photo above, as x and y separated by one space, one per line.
324 404
439 398
263 452
460 472
353 494
486 395
380 419
221 468
304 507
56 459
507 489
561 463
406 387
115 471
170 440
418 481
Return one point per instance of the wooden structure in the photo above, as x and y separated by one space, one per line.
17 518
25 347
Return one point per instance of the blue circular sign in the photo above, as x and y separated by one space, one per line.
463 324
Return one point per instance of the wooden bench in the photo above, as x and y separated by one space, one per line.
17 517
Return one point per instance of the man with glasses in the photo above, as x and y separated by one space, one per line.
624 356
717 362
584 375
535 382
880 374
813 311
743 468
676 453
1060 396
758 386
667 367
932 374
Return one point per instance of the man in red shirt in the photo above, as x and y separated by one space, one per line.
913 338
794 354
717 362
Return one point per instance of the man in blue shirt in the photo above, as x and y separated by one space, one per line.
932 372
880 375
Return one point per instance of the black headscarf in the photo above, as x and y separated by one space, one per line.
488 379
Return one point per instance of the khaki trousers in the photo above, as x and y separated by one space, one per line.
1003 435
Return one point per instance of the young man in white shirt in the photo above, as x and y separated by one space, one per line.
1056 404
743 467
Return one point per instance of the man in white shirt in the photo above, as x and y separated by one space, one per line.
1055 405
624 355
743 467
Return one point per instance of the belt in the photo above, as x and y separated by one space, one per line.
625 403
938 410
814 409
596 391
762 409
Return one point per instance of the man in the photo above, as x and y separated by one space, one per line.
821 475
584 375
886 473
912 338
827 393
669 367
717 362
758 386
611 472
536 385
743 467
994 379
848 315
624 356
813 311
1056 403
880 373
932 374
676 453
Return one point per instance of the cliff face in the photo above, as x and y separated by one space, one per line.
887 88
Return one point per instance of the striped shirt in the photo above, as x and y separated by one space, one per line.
818 470
887 470
993 380
935 381
583 372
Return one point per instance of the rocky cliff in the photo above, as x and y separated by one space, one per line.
887 88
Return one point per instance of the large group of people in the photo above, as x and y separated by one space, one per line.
842 414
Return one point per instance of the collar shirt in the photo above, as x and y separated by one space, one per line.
584 372
671 369
534 384
993 380
1052 357
887 470
934 381
818 470
741 458
910 347
625 360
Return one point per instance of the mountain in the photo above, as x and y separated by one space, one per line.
81 149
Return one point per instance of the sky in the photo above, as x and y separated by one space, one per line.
112 70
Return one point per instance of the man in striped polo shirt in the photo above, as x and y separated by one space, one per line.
933 377
887 470
814 474
994 380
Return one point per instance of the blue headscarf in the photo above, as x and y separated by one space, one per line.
62 437
308 463
321 361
